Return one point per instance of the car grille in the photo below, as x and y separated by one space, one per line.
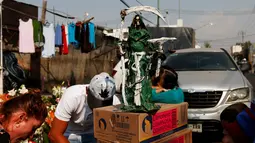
212 131
203 99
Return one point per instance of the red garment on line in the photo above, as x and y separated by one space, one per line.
64 49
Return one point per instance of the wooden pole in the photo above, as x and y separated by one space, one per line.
43 16
43 19
36 57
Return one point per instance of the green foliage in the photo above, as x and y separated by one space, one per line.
245 45
207 45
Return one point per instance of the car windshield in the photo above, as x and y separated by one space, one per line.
200 61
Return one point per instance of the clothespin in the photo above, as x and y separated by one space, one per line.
86 16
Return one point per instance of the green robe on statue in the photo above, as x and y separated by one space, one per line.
138 51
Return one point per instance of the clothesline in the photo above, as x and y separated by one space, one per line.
54 13
63 16
85 41
33 33
55 10
68 17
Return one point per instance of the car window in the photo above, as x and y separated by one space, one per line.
199 61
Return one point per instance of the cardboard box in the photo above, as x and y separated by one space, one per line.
111 124
183 136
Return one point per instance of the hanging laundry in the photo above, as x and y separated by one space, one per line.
49 46
92 35
58 36
26 36
67 39
71 34
64 49
86 47
38 33
78 30
60 50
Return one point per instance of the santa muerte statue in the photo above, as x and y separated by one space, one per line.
138 83
136 89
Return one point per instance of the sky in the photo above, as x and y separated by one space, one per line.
195 14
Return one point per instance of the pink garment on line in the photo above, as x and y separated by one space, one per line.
26 36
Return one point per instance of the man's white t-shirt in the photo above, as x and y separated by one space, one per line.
73 108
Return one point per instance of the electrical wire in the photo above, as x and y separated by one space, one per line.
201 12
126 19
223 39
252 24
248 19
63 16
122 1
173 10
139 2
55 10
54 13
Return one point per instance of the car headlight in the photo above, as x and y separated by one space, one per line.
238 94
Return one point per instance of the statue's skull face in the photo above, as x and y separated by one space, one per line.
137 19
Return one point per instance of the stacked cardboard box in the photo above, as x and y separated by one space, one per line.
168 125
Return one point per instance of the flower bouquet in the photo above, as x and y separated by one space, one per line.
52 101
41 134
13 93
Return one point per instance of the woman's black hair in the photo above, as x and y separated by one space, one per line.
167 74
230 113
168 78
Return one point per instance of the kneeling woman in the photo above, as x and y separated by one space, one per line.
166 88
20 117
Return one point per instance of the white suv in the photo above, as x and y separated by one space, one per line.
211 81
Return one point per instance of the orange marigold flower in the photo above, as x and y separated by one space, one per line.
4 97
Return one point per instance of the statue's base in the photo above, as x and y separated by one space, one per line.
114 125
